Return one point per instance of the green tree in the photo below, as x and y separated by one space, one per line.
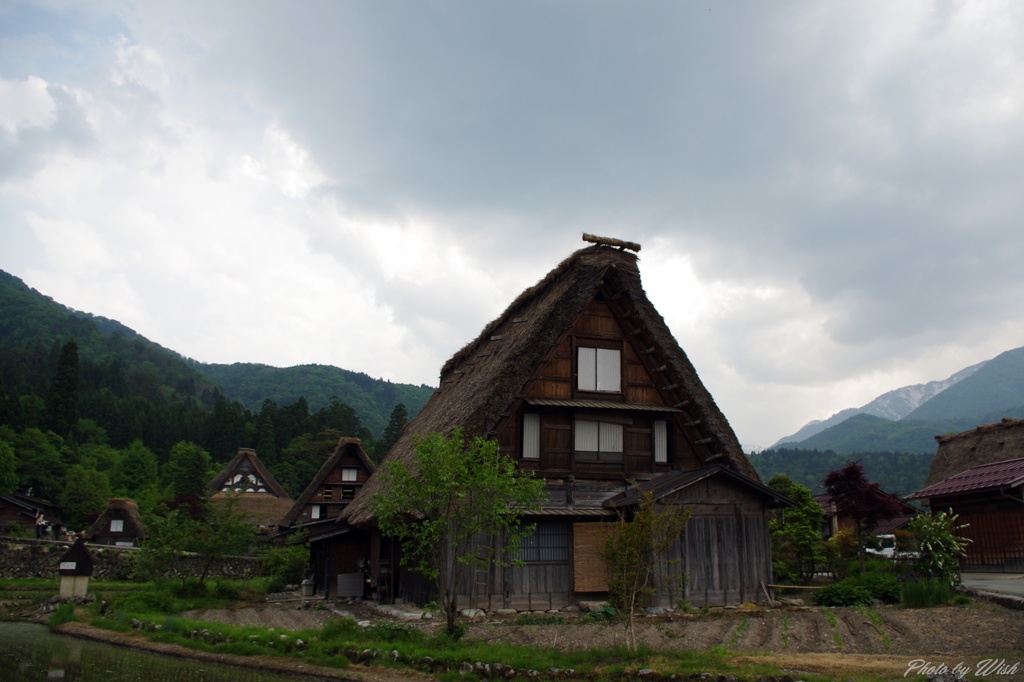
40 465
633 549
85 496
135 470
399 418
187 477
455 491
174 534
8 469
797 546
62 400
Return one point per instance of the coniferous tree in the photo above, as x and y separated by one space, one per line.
62 400
399 418
186 472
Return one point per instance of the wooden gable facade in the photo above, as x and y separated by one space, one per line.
581 382
338 552
256 493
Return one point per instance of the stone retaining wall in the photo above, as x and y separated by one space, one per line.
31 558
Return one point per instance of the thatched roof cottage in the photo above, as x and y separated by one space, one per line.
581 381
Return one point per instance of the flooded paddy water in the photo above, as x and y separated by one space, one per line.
31 653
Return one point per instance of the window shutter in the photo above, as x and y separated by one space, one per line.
609 373
586 368
660 441
586 436
531 436
610 438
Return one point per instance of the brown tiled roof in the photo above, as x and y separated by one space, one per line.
1006 474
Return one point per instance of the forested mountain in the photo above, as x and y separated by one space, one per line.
89 408
897 472
372 399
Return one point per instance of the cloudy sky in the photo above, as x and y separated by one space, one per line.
829 195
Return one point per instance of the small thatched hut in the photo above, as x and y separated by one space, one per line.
119 525
581 381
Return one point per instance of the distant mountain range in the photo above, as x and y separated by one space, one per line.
119 361
907 419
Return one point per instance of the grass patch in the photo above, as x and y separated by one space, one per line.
833 623
738 632
65 613
925 592
879 624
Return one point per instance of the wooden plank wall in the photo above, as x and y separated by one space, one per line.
997 539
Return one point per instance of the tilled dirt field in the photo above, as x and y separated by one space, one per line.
975 630
838 643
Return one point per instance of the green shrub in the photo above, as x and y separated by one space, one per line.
393 632
225 590
188 588
150 601
843 593
885 587
924 592
287 564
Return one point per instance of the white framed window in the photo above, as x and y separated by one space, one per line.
660 441
116 525
597 441
348 474
531 436
314 512
599 369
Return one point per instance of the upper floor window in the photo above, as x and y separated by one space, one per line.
314 512
598 441
660 438
598 369
328 492
116 525
531 435
348 474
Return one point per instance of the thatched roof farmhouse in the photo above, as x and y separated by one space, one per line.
581 381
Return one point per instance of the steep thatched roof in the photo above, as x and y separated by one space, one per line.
244 462
985 444
480 382
262 502
122 508
347 447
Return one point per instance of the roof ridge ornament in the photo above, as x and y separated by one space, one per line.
611 241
